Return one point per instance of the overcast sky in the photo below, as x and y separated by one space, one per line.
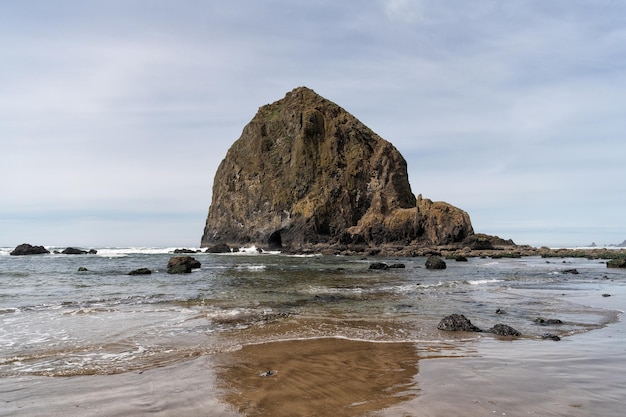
115 114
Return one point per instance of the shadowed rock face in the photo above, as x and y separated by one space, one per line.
305 171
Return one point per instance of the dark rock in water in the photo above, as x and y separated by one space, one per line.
460 258
550 336
545 322
184 250
93 252
570 271
500 311
384 266
28 249
74 251
435 262
616 263
504 330
82 269
219 248
305 172
457 322
182 264
140 271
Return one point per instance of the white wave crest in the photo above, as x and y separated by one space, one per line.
482 281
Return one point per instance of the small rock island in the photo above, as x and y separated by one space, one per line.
307 174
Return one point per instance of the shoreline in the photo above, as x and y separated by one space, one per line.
337 377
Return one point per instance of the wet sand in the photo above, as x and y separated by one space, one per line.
578 376
321 377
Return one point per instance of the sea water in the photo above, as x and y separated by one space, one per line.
58 321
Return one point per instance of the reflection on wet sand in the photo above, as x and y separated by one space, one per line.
318 377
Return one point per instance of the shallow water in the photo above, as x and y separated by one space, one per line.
340 339
57 321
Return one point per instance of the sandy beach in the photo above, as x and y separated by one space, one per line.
337 377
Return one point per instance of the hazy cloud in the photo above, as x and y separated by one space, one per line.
114 115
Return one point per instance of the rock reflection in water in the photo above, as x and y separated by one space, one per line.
321 377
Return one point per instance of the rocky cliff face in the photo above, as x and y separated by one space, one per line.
305 172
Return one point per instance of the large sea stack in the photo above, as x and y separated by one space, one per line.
306 172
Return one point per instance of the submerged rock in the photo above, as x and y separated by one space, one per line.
457 322
306 172
28 249
182 264
140 271
544 322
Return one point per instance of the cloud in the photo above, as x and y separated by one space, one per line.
510 110
406 11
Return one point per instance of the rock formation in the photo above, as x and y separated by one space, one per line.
457 323
28 249
306 172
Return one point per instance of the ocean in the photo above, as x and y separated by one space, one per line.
62 328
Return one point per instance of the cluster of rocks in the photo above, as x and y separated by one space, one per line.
458 322
175 265
28 249
75 251
217 248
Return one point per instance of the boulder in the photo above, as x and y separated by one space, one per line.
306 173
219 248
82 269
435 262
504 330
182 264
457 322
616 263
379 265
140 271
28 249
74 251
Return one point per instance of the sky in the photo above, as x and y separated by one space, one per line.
115 114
